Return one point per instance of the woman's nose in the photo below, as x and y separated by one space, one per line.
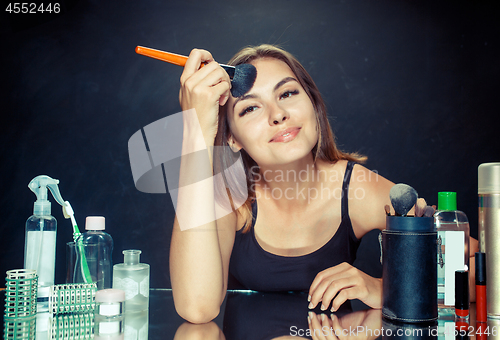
278 116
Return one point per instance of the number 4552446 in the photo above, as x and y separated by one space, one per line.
32 8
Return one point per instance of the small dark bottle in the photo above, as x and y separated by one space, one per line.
462 294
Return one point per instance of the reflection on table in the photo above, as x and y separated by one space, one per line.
244 315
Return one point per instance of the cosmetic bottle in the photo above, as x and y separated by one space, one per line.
489 231
132 277
452 228
98 247
40 239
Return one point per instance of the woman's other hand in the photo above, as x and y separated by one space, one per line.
344 282
422 209
204 89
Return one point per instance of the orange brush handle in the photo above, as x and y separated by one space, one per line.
172 58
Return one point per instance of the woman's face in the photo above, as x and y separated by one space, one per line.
275 122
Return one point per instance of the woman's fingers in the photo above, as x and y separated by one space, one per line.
344 282
344 295
208 85
195 59
337 293
322 282
206 78
204 90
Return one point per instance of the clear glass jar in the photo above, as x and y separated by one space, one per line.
132 277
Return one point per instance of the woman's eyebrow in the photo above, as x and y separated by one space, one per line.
246 96
276 87
283 82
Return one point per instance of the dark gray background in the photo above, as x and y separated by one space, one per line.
410 84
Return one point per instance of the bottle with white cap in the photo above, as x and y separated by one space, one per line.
98 247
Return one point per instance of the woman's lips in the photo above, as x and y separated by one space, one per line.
285 136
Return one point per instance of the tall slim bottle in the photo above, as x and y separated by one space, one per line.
489 232
452 228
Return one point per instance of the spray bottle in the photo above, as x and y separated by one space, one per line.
40 241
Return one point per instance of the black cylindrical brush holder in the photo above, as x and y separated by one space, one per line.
409 269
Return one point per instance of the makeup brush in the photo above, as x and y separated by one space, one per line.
242 76
403 198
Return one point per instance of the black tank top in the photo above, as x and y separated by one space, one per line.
256 269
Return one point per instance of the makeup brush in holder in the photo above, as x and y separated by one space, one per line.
409 268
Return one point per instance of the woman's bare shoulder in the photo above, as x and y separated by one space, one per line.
368 196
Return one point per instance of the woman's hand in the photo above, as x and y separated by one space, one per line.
204 89
422 209
344 282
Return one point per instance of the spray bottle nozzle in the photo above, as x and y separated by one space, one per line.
39 186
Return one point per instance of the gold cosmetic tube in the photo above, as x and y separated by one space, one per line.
489 232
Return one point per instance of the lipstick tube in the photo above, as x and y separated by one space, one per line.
481 315
462 294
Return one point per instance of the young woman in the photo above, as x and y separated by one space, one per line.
307 205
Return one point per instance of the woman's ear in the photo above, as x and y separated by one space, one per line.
233 144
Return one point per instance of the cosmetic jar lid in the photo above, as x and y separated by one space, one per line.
110 295
488 178
461 292
480 268
110 302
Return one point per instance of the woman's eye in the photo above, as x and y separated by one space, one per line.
288 94
247 110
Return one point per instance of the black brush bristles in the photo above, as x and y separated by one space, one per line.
242 79
403 198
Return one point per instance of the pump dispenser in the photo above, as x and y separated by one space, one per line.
40 240
453 232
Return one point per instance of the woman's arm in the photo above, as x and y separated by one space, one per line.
201 245
473 248
368 196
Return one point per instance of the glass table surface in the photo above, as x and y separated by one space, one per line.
255 315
